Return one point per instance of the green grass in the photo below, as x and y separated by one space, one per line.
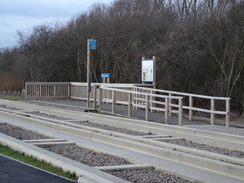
36 163
14 98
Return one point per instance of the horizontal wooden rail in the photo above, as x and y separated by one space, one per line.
133 95
147 103
47 90
212 111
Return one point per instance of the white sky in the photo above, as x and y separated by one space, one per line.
24 14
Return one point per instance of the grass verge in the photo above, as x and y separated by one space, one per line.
36 163
14 98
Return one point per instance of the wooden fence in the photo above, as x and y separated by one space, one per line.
47 90
126 97
190 104
134 95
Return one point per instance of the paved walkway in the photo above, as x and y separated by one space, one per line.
140 114
12 171
119 110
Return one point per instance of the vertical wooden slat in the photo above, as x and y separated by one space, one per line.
212 109
113 101
147 108
190 105
100 98
227 117
170 102
166 108
95 97
180 112
129 104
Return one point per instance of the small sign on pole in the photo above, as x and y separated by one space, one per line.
93 44
105 75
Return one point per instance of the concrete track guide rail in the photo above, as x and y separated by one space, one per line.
193 164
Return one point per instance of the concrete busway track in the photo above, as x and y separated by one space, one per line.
137 144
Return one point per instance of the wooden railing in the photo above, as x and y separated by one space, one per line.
133 95
79 91
126 97
47 90
190 105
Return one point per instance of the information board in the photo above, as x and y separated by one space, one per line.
147 70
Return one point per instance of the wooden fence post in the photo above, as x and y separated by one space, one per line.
169 103
190 105
180 112
113 101
100 98
212 109
147 108
129 105
166 110
95 97
227 112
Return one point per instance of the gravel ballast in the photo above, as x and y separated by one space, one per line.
86 156
187 143
48 115
20 133
92 124
112 128
10 108
147 175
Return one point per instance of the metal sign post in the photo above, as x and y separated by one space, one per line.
88 73
91 45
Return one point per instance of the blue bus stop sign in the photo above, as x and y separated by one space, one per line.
93 44
105 75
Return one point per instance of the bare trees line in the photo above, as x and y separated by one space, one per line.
199 46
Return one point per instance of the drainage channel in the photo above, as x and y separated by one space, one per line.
172 140
140 143
165 141
111 164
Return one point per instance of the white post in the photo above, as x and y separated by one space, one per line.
113 101
100 98
129 104
212 109
170 108
68 92
40 90
151 99
190 105
227 112
166 111
54 90
180 112
147 108
95 97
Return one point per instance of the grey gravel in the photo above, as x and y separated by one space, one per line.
10 108
205 147
94 159
91 124
148 175
218 128
20 133
112 128
86 156
48 115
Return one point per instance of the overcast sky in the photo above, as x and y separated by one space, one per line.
24 14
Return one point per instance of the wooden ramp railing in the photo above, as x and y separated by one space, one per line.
210 100
133 95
